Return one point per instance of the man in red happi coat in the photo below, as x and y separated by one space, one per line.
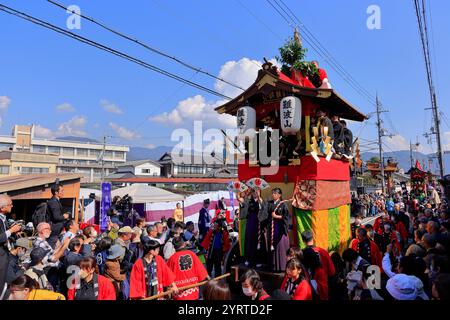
188 270
150 274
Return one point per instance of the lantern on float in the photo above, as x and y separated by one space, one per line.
246 120
290 115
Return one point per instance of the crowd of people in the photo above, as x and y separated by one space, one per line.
403 255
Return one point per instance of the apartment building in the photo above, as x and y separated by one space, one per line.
82 156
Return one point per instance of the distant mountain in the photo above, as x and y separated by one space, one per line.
139 153
77 139
404 162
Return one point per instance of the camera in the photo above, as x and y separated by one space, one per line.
125 204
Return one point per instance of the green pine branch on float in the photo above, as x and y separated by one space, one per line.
292 56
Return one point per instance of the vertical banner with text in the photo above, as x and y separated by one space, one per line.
105 205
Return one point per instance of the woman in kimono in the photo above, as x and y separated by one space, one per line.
277 222
250 209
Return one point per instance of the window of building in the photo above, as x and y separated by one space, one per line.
5 146
108 154
31 170
82 152
119 155
68 151
146 171
38 149
53 150
4 169
94 153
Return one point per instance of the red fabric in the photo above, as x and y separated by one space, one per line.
375 252
321 277
303 291
298 77
227 216
309 169
327 263
208 238
400 228
332 194
322 74
106 290
378 224
188 270
138 287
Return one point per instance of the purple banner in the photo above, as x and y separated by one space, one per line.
105 205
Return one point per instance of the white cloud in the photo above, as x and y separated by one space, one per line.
110 107
446 141
123 132
65 107
73 127
242 73
196 109
42 132
397 143
4 102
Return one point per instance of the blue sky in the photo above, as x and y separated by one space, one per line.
103 94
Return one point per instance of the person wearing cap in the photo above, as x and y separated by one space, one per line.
124 239
92 286
150 274
216 243
169 248
15 254
36 269
187 268
204 220
112 267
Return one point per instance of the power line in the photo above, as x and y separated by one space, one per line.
421 16
144 45
118 53
321 50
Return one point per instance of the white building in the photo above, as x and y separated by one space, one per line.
74 156
138 168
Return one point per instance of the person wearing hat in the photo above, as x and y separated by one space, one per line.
124 240
36 269
20 247
204 220
150 274
112 267
405 287
276 214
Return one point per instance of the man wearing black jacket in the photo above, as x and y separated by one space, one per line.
5 209
57 217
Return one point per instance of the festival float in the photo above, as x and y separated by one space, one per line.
310 174
389 169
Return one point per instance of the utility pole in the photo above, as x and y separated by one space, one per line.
380 144
437 124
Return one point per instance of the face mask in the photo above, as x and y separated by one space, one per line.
20 254
47 235
94 234
83 274
247 291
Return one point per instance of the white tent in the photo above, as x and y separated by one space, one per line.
146 194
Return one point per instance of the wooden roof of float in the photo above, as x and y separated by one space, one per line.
270 79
